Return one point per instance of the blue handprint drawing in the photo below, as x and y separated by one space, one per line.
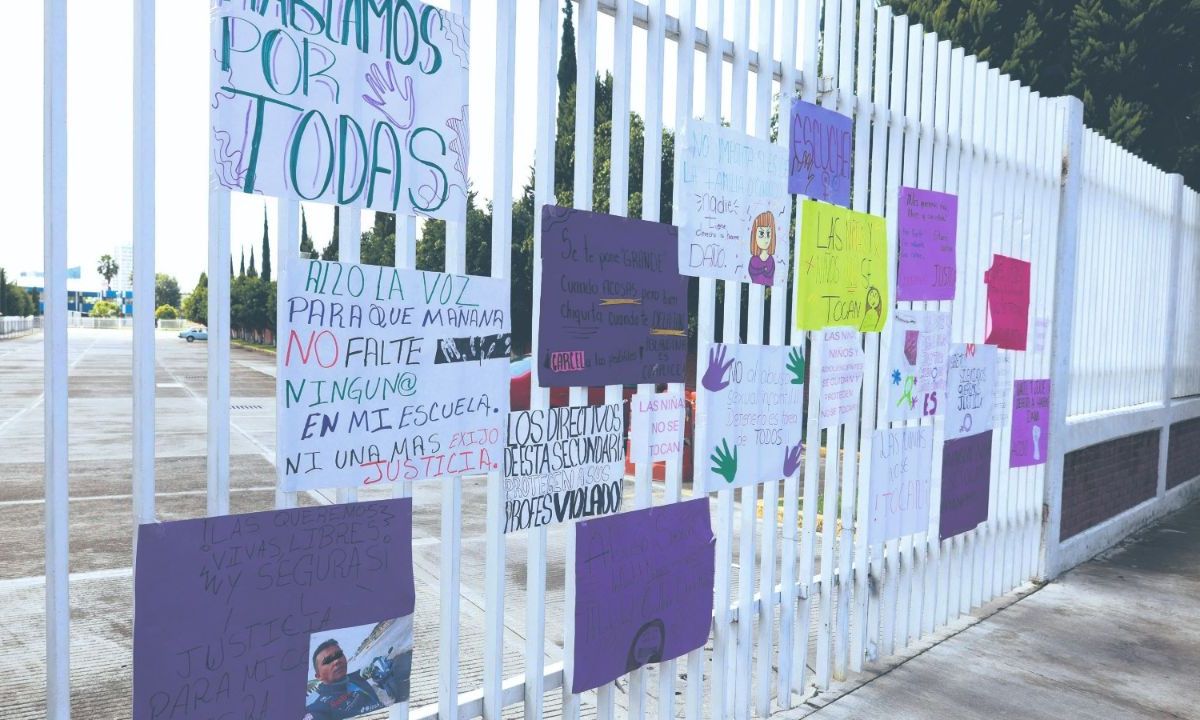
725 462
714 377
791 459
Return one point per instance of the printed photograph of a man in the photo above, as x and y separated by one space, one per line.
356 670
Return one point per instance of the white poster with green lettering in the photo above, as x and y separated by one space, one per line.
350 103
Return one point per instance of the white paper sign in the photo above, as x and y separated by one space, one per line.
388 374
841 375
657 432
1002 399
901 470
562 464
735 216
917 370
970 391
345 103
751 402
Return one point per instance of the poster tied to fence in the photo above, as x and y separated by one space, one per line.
360 104
736 211
751 403
1007 302
657 420
970 389
927 232
643 590
562 464
916 371
274 614
388 375
966 484
1030 422
842 368
842 271
821 153
614 309
901 474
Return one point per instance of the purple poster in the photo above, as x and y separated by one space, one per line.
928 233
643 589
274 614
966 481
614 306
1030 422
820 154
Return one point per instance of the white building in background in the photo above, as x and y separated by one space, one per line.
123 282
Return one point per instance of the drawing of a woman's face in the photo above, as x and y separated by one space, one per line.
874 301
762 234
762 237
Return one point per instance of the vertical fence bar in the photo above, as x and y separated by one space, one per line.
1062 324
143 263
287 251
54 244
502 166
349 244
1175 188
218 322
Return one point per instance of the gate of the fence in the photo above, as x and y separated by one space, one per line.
799 603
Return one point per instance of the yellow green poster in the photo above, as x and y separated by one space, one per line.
842 273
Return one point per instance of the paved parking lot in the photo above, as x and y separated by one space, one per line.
102 527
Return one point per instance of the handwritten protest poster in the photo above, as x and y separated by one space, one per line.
390 374
927 232
752 399
842 272
657 420
1002 400
562 464
1030 423
901 470
341 104
736 211
841 376
614 311
227 608
966 482
917 369
1007 302
643 589
970 387
821 146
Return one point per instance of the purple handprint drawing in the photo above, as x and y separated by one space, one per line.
714 377
791 459
390 96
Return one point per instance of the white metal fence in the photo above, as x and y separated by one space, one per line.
799 605
12 326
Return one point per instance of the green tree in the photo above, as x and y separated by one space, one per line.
306 243
103 309
108 268
1134 63
331 250
166 290
3 292
266 250
252 271
242 267
195 307
166 312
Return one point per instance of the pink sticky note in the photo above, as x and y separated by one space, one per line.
1007 302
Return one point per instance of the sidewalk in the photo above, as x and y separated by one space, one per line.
1118 637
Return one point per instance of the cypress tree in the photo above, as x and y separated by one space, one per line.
306 243
266 250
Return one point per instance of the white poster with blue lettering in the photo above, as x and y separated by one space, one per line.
388 375
359 104
735 215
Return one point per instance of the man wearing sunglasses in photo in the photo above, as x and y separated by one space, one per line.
339 694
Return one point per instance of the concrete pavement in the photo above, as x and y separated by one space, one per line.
1118 637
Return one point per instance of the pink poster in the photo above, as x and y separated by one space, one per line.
1007 302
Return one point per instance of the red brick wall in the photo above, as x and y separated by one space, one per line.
1106 479
1183 452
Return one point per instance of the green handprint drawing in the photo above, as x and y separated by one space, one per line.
724 462
796 366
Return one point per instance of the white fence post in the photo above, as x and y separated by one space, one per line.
1175 182
54 202
1062 323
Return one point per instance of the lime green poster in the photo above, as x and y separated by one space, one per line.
842 273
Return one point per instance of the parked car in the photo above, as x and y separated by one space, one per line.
194 334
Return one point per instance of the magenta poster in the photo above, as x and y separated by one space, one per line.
820 153
274 614
614 306
1007 302
966 483
643 589
1030 422
928 228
